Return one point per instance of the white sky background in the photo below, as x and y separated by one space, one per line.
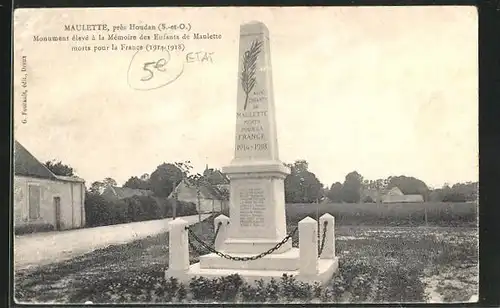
380 90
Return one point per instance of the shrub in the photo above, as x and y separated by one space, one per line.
293 289
186 208
154 288
182 209
226 288
181 292
201 288
273 290
151 208
97 210
119 212
256 293
134 209
100 211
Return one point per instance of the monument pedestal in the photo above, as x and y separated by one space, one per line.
326 269
258 209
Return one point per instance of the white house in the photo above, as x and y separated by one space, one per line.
395 195
211 198
43 198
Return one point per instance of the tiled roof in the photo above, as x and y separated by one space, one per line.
125 192
207 191
70 178
25 164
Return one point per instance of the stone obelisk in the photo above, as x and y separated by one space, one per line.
257 198
247 242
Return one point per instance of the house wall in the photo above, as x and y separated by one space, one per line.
402 199
188 194
72 210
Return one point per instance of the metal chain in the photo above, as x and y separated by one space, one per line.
193 246
323 238
223 255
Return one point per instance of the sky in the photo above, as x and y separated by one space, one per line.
380 90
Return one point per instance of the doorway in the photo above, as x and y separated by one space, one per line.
57 207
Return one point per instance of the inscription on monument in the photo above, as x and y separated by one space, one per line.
252 135
252 207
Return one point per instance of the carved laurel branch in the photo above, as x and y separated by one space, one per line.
249 69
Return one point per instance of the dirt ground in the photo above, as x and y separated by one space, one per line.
377 264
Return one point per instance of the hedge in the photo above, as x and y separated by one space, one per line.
395 214
100 211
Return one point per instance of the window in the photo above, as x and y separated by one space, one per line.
34 201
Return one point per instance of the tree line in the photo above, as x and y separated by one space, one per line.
161 182
301 185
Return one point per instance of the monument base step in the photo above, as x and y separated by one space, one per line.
286 261
326 269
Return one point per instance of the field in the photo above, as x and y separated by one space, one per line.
407 263
395 214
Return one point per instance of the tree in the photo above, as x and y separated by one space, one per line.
468 190
163 180
96 188
459 192
351 190
377 185
137 183
335 192
58 168
409 186
109 182
301 185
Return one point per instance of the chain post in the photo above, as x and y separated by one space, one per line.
217 232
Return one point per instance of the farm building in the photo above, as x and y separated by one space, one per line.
395 195
119 193
43 199
211 198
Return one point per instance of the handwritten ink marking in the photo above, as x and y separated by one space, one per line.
24 93
154 66
158 65
149 80
200 56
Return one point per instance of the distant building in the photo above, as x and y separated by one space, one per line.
370 195
395 195
217 178
43 198
211 198
119 193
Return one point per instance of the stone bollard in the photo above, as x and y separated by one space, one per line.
222 235
308 246
329 246
178 262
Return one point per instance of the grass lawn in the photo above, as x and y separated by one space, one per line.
381 264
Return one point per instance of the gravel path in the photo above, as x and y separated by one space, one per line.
50 247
